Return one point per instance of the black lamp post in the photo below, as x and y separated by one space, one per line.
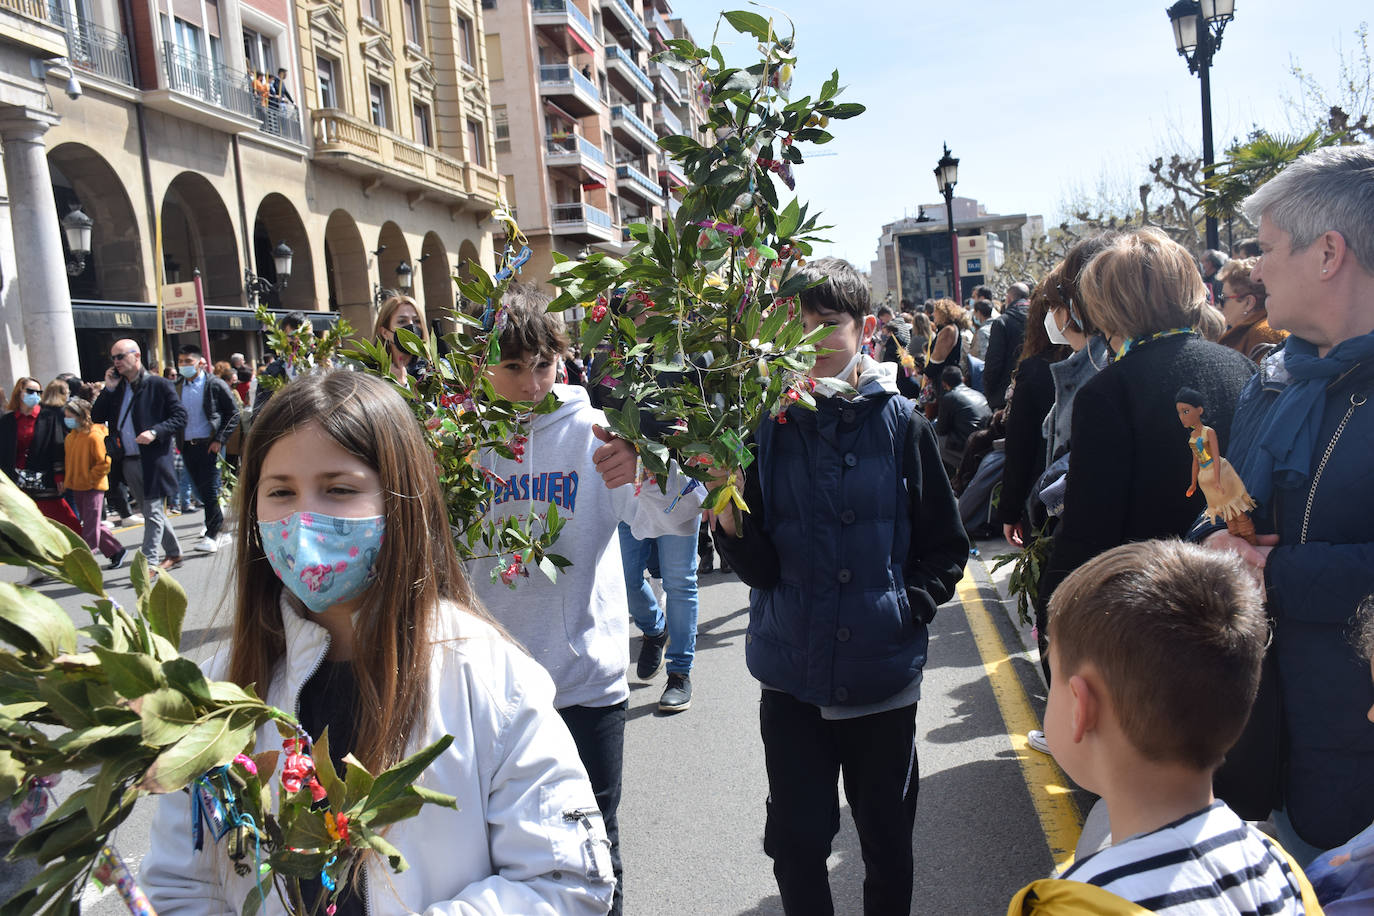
76 226
1198 25
258 288
946 176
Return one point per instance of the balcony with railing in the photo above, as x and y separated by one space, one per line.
579 219
619 61
571 89
197 88
634 26
667 120
94 48
29 25
576 151
628 123
630 178
666 78
359 147
661 26
553 15
670 171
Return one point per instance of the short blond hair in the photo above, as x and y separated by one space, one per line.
1141 283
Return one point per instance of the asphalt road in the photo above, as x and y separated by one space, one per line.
992 816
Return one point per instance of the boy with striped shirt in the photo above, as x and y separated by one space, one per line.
1155 652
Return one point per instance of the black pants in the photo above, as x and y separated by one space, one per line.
201 465
806 755
117 497
599 733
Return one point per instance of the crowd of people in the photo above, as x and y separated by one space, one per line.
1205 623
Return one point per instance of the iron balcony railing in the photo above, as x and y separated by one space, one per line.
648 186
564 214
563 6
559 146
615 52
94 48
196 75
633 19
624 112
562 73
282 121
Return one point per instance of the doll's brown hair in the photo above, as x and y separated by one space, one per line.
1177 633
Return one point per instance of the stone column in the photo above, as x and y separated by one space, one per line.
44 295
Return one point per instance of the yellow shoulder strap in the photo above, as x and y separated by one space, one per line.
1310 904
1056 895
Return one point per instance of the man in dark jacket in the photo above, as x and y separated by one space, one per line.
1312 405
1005 338
144 416
279 369
211 418
962 412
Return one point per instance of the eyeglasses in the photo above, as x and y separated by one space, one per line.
1236 297
33 390
116 357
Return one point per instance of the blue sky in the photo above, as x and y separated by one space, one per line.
1041 101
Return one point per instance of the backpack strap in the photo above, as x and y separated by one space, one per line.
1310 904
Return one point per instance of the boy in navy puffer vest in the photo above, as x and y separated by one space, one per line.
852 540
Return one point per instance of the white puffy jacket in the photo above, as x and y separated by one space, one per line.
512 845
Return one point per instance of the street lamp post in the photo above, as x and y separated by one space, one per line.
946 176
1198 25
76 226
258 288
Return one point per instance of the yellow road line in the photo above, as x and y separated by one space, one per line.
1046 784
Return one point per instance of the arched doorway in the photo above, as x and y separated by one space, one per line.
435 280
114 270
396 250
345 271
277 221
197 234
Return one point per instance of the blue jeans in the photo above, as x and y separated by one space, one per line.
677 559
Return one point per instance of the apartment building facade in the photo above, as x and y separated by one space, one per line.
579 109
372 150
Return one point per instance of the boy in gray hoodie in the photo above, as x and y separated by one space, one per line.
577 627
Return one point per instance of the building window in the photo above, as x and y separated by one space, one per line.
488 4
464 39
379 104
326 81
415 33
257 52
372 9
500 126
477 143
424 132
495 68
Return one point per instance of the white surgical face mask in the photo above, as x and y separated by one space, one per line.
1053 330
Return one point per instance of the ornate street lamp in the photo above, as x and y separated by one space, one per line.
946 177
405 277
76 226
258 288
1198 25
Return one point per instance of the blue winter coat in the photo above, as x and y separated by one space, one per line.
853 540
1317 577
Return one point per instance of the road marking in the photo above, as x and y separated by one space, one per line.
1060 819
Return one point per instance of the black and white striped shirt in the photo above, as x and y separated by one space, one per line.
1210 862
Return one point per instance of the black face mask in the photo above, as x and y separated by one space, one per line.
415 329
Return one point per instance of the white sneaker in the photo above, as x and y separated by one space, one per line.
225 539
134 519
1036 739
208 544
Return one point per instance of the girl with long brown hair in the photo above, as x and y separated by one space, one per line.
351 608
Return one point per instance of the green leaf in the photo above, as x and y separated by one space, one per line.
166 716
750 23
357 780
307 830
82 571
325 772
186 676
33 536
846 110
361 836
253 903
547 567
165 608
209 744
131 674
34 623
392 782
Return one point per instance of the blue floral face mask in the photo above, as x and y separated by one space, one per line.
323 560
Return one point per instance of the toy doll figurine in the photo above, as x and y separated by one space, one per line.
1227 498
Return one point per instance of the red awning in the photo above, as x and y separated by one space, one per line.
579 40
595 185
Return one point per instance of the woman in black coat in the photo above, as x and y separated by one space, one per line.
1130 464
40 449
1031 400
